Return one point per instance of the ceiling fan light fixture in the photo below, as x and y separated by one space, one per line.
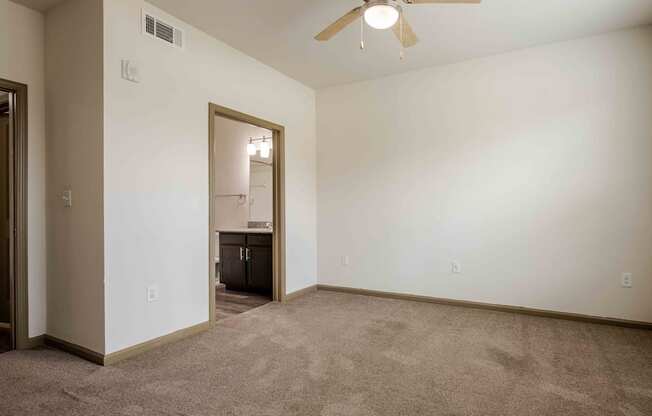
381 16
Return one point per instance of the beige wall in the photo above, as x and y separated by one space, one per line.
156 170
533 169
232 173
22 60
74 68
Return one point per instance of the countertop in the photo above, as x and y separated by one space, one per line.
246 230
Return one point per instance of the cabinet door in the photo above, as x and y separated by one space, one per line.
260 269
233 269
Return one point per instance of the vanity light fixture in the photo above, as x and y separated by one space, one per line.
251 147
264 149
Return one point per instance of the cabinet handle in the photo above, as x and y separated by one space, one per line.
241 253
248 254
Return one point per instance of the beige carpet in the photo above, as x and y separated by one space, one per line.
334 354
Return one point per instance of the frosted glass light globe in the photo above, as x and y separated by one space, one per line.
264 149
251 148
381 16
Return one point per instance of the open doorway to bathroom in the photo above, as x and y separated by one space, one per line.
246 225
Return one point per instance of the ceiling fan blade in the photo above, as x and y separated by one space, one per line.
441 1
404 32
339 24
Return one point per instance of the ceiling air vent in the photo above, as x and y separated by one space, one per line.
158 29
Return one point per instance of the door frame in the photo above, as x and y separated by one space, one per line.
18 212
278 159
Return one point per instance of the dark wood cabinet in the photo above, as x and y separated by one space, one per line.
233 268
259 269
246 262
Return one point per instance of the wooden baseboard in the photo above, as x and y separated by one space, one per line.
490 306
138 349
34 342
115 357
74 349
300 293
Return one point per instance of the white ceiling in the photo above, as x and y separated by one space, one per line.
280 32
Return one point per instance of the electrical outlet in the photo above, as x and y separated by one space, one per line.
626 280
456 267
152 293
346 260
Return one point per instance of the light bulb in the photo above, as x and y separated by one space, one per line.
251 148
264 149
381 16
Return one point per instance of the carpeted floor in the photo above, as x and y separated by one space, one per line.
333 354
230 302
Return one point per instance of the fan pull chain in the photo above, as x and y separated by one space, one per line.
362 34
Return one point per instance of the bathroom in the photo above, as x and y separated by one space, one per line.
243 192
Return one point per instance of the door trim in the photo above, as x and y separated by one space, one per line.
18 211
278 157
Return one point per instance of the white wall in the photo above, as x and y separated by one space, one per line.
232 173
75 126
156 170
533 169
22 42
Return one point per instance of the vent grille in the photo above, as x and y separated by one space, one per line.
160 30
165 32
178 37
150 24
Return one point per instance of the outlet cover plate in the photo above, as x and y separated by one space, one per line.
152 293
626 280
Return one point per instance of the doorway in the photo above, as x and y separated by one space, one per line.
13 208
246 210
6 281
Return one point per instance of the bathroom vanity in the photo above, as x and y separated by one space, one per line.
246 260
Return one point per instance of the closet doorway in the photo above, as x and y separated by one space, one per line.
13 208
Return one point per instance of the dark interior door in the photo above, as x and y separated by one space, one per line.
233 269
5 283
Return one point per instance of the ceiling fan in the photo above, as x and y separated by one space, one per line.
383 14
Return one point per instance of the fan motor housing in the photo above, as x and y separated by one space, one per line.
392 3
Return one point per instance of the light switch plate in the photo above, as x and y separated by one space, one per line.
67 198
130 71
